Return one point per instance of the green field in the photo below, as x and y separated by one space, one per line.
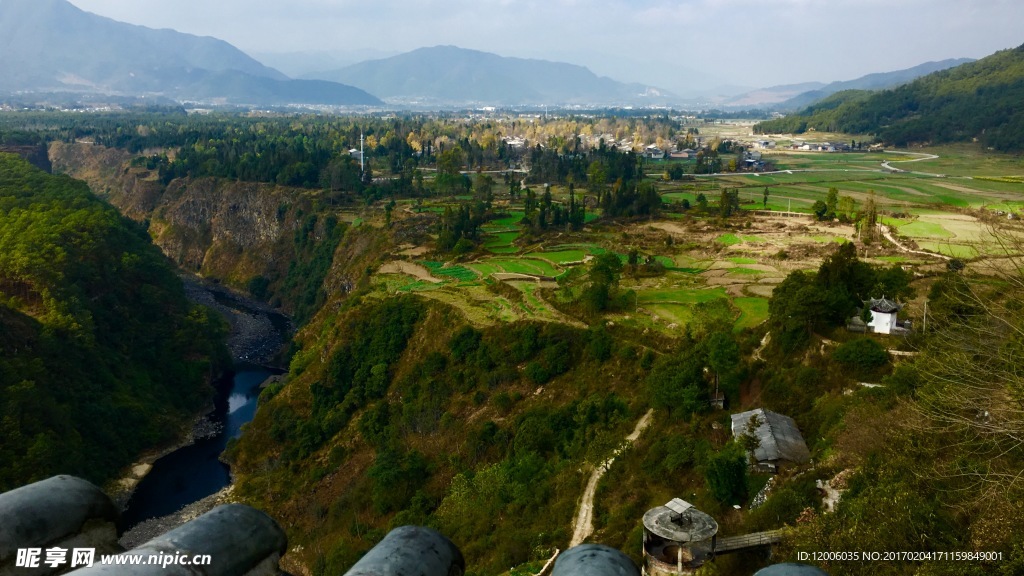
523 265
561 256
501 242
687 296
921 229
753 311
460 273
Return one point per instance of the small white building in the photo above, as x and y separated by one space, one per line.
883 315
654 153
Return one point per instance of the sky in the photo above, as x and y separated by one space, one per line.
680 45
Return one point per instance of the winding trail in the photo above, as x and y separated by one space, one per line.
583 524
920 156
887 233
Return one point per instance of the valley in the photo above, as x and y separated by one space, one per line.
480 326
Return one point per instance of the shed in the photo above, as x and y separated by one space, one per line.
778 436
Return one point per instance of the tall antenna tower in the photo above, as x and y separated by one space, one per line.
362 156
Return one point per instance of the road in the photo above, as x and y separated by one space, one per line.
583 524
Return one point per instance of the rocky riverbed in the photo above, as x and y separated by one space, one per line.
254 337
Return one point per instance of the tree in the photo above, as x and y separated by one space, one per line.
765 199
726 474
869 222
676 384
723 354
728 202
832 201
820 210
749 439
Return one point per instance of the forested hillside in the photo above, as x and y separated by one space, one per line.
101 355
976 100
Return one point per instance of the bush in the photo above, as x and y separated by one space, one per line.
864 356
726 474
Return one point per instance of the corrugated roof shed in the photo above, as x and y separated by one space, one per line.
779 437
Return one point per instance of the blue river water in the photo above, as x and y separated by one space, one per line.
195 471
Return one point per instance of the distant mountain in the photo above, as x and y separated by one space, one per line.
53 46
979 99
791 97
455 76
877 81
310 65
770 96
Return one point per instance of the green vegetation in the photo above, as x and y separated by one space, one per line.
973 100
479 406
101 355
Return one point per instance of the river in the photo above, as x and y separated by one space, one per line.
195 471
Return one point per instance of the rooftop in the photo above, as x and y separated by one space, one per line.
779 437
679 521
883 305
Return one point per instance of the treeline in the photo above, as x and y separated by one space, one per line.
976 100
101 355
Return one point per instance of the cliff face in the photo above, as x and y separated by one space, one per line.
232 231
35 155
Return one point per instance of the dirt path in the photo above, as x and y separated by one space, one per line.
887 232
583 525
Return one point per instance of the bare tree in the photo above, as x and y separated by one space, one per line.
973 373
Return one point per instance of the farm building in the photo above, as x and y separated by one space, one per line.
779 438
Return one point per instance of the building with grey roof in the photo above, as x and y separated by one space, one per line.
778 437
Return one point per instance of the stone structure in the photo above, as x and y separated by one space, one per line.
60 512
66 513
411 550
678 539
594 560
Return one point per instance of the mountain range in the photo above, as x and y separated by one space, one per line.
53 46
796 96
449 75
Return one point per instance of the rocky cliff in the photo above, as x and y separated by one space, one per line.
230 231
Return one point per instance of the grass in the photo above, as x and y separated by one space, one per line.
457 272
753 311
501 242
922 229
531 266
742 260
682 295
561 256
729 239
954 250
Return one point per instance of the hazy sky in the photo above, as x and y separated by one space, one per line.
668 43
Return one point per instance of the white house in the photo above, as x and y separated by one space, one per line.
883 315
